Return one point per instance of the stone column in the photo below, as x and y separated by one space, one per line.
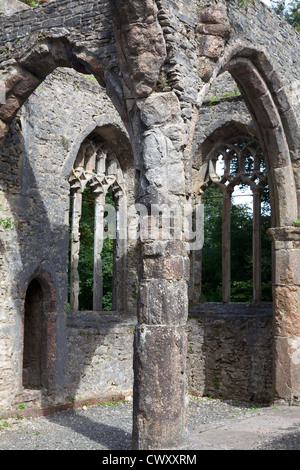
286 305
158 136
120 255
98 246
160 346
75 248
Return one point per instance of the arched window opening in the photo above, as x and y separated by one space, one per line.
236 257
96 249
35 341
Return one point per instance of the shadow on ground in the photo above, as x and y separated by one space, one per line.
289 441
106 436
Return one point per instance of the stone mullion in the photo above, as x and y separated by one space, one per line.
75 248
98 247
256 246
120 255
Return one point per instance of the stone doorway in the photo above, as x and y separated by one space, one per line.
34 337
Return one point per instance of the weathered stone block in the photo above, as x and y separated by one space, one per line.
267 115
155 155
215 14
287 310
211 46
167 267
206 68
10 108
287 263
135 11
222 30
39 60
164 248
286 195
143 46
21 83
163 302
287 369
160 108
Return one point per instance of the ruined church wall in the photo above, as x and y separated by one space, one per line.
222 114
259 28
278 45
94 352
34 193
100 355
229 353
80 19
36 161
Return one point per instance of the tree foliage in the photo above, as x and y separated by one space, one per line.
86 256
241 251
289 10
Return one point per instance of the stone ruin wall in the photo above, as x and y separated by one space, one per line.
36 161
94 351
187 46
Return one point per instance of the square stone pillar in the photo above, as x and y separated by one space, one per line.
286 314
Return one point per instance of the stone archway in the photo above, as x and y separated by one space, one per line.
271 131
34 351
163 59
46 43
273 134
39 333
276 128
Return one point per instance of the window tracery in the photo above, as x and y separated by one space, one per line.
98 168
238 163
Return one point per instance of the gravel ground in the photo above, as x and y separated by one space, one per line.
109 427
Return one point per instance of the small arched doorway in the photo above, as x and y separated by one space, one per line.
35 339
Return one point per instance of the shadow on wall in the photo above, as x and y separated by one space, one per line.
102 431
230 351
288 441
58 357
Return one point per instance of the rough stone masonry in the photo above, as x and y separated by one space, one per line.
157 60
